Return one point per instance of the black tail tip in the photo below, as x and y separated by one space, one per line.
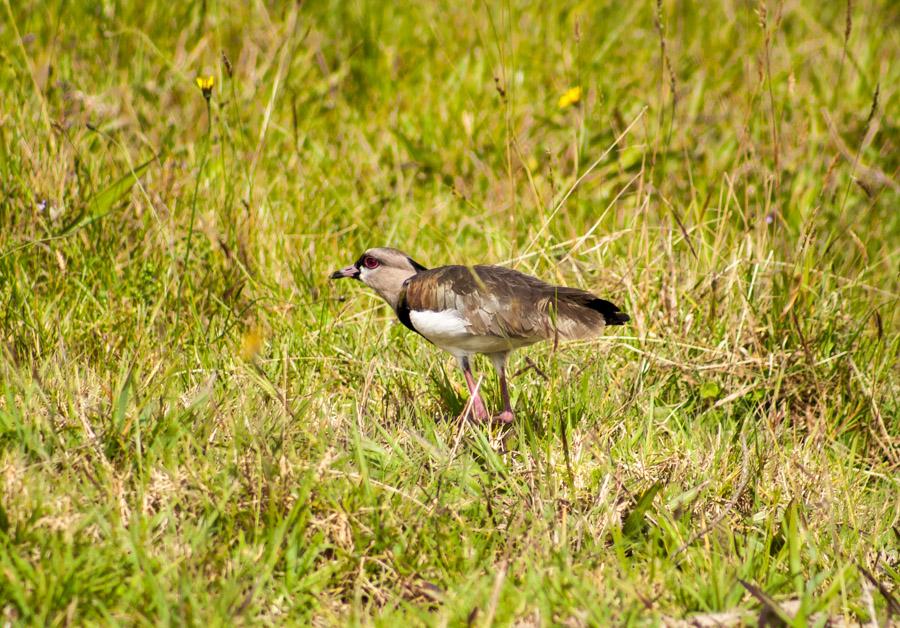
612 315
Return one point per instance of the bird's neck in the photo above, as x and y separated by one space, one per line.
389 285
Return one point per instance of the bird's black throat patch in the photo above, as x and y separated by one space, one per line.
403 315
403 310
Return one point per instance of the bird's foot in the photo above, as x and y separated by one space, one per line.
504 418
477 411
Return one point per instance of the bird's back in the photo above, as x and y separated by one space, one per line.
493 301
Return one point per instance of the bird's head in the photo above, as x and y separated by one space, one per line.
384 270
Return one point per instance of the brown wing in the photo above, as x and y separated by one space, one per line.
498 301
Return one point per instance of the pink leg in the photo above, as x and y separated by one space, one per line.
507 416
479 412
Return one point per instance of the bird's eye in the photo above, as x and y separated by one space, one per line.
371 262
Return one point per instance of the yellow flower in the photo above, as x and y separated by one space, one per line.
206 83
572 96
251 343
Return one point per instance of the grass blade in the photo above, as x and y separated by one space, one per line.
103 202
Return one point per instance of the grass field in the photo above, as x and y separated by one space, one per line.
197 427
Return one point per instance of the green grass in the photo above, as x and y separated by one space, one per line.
729 178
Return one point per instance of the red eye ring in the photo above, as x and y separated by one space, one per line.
371 262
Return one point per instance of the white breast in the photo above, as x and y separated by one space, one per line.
449 330
443 325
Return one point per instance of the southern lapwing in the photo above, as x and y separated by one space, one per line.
480 309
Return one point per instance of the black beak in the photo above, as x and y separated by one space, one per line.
351 271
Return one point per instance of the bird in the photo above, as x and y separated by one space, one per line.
489 310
